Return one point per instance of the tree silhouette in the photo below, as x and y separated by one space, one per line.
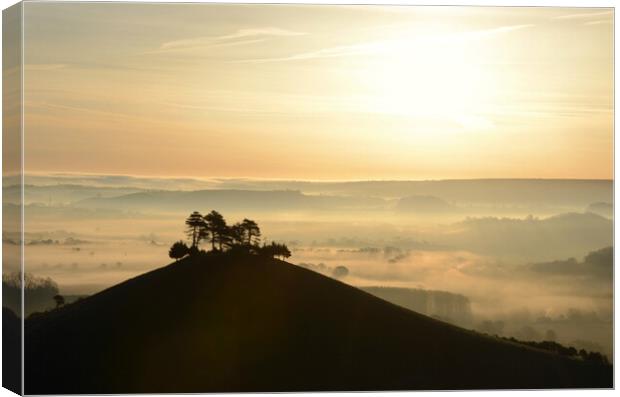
217 227
237 233
60 300
267 250
283 251
252 231
275 250
242 236
195 227
193 251
225 238
178 250
340 271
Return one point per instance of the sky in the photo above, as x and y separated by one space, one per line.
318 92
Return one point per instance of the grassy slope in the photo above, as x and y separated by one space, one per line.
250 324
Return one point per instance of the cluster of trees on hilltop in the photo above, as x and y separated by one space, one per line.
212 228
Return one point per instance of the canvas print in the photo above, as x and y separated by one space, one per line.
206 198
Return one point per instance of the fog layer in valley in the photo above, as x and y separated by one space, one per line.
525 258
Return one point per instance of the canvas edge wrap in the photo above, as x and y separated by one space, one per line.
12 174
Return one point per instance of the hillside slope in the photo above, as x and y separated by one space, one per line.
225 323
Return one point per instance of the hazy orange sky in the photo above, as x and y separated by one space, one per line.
318 92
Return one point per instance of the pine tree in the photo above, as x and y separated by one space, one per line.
252 231
195 227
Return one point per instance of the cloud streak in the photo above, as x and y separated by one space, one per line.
240 37
45 66
598 22
583 15
383 47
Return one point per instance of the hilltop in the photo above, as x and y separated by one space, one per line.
240 323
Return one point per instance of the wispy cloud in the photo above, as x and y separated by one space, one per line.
240 37
266 102
371 48
583 15
45 66
490 32
598 22
90 112
388 46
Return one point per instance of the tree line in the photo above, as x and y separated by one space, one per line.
212 228
565 351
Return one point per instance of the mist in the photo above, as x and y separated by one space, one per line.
533 259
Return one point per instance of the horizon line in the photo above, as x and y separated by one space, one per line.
291 179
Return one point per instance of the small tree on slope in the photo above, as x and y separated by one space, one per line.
178 250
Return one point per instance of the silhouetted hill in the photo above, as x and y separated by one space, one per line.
224 323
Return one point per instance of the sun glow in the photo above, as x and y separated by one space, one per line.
455 86
439 78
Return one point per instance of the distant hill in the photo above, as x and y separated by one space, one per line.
509 196
568 234
38 293
603 209
225 323
227 200
597 264
560 192
454 308
423 204
59 194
